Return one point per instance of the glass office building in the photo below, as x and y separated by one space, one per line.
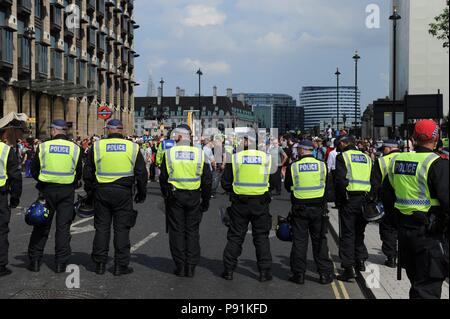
320 106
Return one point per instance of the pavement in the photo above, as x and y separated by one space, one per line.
153 265
379 279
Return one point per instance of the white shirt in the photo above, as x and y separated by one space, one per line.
332 160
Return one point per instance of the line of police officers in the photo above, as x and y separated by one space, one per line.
413 186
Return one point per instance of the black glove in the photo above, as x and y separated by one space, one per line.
14 202
204 206
140 198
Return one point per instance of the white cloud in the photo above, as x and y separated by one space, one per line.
202 16
216 67
273 40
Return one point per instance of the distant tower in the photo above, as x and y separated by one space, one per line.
151 89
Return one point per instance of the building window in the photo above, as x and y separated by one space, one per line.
6 46
38 9
42 59
81 73
70 68
56 65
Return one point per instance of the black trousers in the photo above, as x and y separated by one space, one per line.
60 200
309 221
113 205
5 216
389 233
242 212
352 226
275 181
423 257
184 217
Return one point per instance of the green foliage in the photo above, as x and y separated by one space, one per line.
439 28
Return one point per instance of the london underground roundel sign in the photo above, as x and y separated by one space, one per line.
104 112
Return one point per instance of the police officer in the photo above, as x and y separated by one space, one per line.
353 171
418 189
186 185
113 167
306 180
247 181
162 148
10 183
388 224
57 167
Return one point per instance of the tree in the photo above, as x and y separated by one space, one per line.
439 28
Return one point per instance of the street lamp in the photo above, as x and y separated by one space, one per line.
162 104
29 35
337 95
200 73
356 57
394 17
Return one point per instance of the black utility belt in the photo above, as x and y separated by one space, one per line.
356 194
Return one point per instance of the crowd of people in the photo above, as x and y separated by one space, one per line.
283 150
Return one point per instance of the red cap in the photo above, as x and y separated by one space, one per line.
426 130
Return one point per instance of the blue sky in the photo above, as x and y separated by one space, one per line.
267 46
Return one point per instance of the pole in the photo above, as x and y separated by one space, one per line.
356 57
30 39
394 17
337 96
394 93
200 73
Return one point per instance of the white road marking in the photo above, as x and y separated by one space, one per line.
143 242
82 230
74 230
82 221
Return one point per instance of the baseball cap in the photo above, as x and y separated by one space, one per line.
115 125
306 145
59 125
426 130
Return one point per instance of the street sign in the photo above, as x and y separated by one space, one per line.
104 112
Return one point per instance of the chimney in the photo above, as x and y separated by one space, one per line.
230 94
178 96
182 92
214 95
159 95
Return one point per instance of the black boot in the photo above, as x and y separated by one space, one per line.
5 271
189 271
227 275
265 275
348 274
360 266
391 262
179 271
299 279
122 270
60 268
326 279
34 266
100 269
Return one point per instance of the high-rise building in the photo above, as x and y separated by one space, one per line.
274 110
264 99
82 57
422 62
320 106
